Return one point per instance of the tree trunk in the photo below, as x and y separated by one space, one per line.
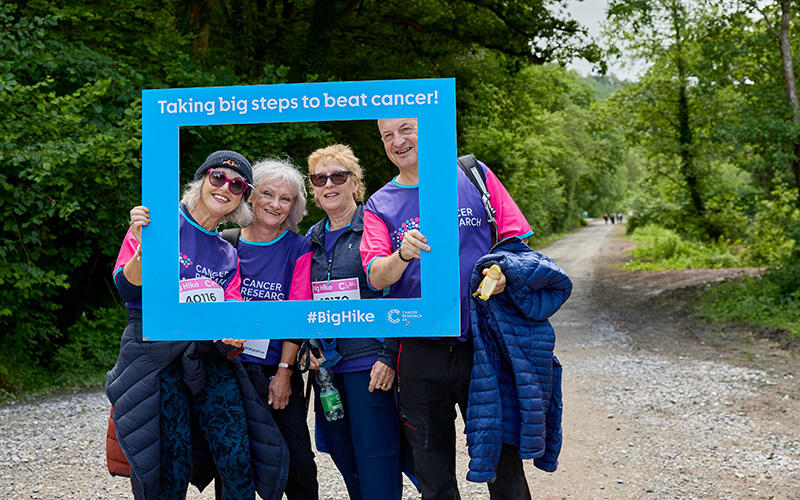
198 20
314 59
684 125
791 87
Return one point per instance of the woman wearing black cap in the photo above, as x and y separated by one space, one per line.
163 391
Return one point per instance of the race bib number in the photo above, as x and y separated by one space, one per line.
256 348
200 290
343 289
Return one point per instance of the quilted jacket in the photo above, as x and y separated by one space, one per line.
515 387
132 386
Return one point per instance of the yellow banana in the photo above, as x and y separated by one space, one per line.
488 283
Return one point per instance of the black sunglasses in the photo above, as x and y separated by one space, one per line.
337 178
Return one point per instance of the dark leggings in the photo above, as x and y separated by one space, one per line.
433 379
220 414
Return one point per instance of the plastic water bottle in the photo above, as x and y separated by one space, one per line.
329 395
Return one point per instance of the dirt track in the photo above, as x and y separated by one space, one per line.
657 404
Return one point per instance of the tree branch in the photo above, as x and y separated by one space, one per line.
766 19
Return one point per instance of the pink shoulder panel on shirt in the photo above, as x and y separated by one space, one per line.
375 241
233 291
126 251
510 221
301 279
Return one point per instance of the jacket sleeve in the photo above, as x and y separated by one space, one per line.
536 285
388 354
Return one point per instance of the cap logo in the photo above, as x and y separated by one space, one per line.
229 162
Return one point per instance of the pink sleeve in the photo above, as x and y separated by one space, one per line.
301 279
126 251
375 241
510 221
233 291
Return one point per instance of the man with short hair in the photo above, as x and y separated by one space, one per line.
434 373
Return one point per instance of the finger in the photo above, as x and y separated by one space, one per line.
418 236
418 244
373 383
420 240
139 217
501 285
409 249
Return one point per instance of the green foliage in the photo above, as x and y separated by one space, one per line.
70 85
91 349
70 99
664 249
537 132
755 301
774 232
345 40
604 86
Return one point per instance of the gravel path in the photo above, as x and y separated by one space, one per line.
649 412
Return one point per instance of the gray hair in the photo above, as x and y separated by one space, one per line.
242 216
270 169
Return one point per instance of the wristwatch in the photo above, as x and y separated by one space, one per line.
284 365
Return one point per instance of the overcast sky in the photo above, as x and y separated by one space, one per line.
591 13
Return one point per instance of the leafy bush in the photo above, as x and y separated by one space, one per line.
775 230
756 301
662 248
92 347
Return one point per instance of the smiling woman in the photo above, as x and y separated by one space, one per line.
164 393
275 263
365 442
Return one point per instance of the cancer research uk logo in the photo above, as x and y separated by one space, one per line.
395 316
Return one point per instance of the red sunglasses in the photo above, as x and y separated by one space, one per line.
218 178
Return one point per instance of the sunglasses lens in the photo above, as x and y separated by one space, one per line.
216 178
339 177
237 186
318 180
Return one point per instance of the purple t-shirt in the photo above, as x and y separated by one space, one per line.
203 254
397 207
394 210
276 270
332 236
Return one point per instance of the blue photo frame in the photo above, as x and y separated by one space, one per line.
431 101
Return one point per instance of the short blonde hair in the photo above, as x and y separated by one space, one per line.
242 216
270 169
344 155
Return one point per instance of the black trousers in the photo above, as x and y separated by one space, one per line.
433 379
302 481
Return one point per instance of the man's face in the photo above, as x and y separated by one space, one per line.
399 136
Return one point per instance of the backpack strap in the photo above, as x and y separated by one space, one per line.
232 236
476 175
